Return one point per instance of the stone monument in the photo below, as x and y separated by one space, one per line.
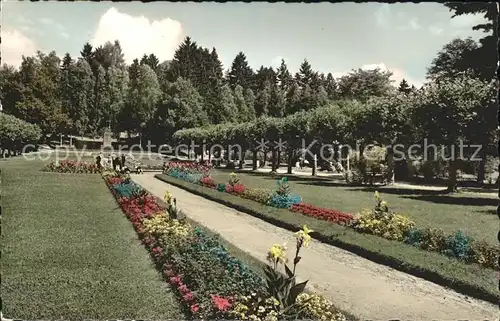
106 139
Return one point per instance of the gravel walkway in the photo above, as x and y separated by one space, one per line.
364 288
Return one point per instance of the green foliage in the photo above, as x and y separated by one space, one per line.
16 133
362 84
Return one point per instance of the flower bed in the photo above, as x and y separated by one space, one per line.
377 221
210 282
71 166
323 213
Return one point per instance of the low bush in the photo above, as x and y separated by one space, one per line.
261 195
380 221
323 213
73 167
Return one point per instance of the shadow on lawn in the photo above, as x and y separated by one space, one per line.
444 199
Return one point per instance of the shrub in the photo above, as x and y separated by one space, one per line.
261 195
317 307
458 245
433 239
284 201
221 187
208 182
236 189
323 213
380 221
485 254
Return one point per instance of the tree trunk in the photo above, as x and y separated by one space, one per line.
452 180
314 165
390 164
481 172
264 160
273 160
290 160
279 159
254 160
242 159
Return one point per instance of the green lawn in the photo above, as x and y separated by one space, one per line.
473 213
69 252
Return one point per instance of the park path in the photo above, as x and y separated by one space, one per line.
354 284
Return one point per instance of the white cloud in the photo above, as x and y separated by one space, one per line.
14 46
397 74
412 24
64 35
382 14
46 21
138 35
435 30
466 21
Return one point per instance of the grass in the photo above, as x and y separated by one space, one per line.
475 214
470 279
69 252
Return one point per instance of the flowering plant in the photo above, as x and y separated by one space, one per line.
284 288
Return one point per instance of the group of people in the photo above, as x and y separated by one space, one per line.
118 163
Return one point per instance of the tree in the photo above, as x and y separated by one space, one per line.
87 53
483 59
143 95
331 87
448 113
293 99
227 104
11 88
305 75
184 62
152 61
99 112
81 80
240 72
117 86
263 99
404 87
456 58
277 102
284 77
181 107
250 102
362 84
243 114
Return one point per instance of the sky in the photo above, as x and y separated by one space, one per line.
333 37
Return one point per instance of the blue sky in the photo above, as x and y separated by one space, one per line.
335 38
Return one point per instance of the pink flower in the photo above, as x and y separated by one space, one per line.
221 303
183 289
175 279
188 297
195 308
169 273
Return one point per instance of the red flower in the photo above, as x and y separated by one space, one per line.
175 279
195 308
221 303
322 213
183 289
188 297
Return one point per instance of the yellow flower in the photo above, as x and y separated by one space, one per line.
167 197
277 253
377 195
303 237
